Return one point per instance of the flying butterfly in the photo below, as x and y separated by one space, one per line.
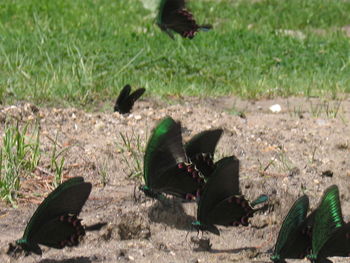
221 202
173 16
294 238
331 235
200 150
55 222
166 167
125 100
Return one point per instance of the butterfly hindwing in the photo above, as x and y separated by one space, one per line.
200 150
337 244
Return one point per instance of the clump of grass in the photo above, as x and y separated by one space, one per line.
132 150
57 162
19 156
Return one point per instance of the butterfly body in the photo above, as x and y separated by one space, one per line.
126 99
173 17
55 222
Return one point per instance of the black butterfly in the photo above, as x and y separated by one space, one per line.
200 150
125 100
221 202
294 238
166 167
55 222
172 16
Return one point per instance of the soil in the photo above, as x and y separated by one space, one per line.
304 148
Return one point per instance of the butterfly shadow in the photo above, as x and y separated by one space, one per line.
67 260
232 251
172 214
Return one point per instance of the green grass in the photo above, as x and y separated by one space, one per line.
19 156
84 51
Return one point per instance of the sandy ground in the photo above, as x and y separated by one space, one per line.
281 154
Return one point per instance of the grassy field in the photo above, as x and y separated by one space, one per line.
82 52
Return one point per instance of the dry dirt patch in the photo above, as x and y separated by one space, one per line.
281 154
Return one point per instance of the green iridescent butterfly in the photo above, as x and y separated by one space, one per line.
173 17
55 222
221 202
200 150
294 238
331 236
166 166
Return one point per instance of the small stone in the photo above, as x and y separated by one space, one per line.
275 108
138 117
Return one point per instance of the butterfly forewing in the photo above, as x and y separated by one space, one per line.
124 94
328 217
167 7
164 150
289 241
68 198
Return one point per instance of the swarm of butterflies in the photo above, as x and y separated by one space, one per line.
188 171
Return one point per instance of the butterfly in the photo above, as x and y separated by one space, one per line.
294 238
331 235
55 222
173 16
166 166
221 202
200 150
125 100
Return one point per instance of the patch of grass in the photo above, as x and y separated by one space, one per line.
57 162
19 156
83 52
132 150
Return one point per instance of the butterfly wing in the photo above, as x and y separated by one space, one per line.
328 217
167 7
179 182
121 102
136 95
59 232
165 168
223 183
232 211
338 243
173 16
68 198
290 241
200 150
